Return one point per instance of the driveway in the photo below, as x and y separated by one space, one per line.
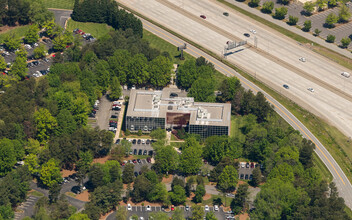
61 16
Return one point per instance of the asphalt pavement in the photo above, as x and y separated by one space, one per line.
342 183
61 16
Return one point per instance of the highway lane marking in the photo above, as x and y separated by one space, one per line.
176 41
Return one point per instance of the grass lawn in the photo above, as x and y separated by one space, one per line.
18 32
96 29
224 200
60 4
323 170
36 193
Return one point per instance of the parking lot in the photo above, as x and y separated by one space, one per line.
27 207
141 211
245 170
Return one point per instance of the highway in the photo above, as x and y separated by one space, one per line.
342 183
332 97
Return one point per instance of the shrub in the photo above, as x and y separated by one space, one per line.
330 38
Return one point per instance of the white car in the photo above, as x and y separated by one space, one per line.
129 207
187 208
253 31
206 208
141 218
311 89
216 208
302 59
143 141
148 208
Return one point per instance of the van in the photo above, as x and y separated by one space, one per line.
345 74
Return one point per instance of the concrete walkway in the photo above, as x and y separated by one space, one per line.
290 28
119 122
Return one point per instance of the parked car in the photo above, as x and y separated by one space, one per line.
187 208
206 208
149 160
148 208
139 161
140 152
135 151
129 207
139 141
216 208
145 152
134 141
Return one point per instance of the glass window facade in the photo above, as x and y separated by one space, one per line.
207 130
146 124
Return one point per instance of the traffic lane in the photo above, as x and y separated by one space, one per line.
343 184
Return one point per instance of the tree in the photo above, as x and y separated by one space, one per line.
80 216
308 7
7 156
345 42
330 20
177 182
59 43
141 189
52 29
253 3
332 3
228 179
85 159
307 25
330 38
166 159
50 173
190 159
158 194
229 87
38 13
121 213
210 216
344 13
200 192
159 134
127 174
317 32
31 36
6 212
203 90
178 195
115 89
197 212
106 197
54 192
321 4
39 52
45 124
11 42
306 153
280 13
238 203
138 70
257 177
2 63
126 146
292 20
160 71
31 161
268 7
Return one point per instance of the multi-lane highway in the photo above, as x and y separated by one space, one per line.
275 62
343 184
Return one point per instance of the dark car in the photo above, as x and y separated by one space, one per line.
140 152
139 141
226 14
145 152
135 151
251 176
150 153
139 161
118 141
134 141
113 116
246 177
173 95
242 176
247 165
135 174
246 35
149 159
203 16
148 141
252 165
286 86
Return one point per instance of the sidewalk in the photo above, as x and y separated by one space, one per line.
119 122
295 30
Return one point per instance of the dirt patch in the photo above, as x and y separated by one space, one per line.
101 160
168 179
84 196
244 216
66 173
206 196
125 186
6 28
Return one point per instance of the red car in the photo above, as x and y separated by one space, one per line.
203 16
134 161
149 160
172 208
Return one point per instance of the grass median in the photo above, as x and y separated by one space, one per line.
330 54
17 32
97 30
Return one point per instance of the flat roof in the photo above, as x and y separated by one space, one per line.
146 103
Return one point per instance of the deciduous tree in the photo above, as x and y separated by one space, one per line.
228 179
178 195
344 13
160 71
31 36
268 7
50 173
308 7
